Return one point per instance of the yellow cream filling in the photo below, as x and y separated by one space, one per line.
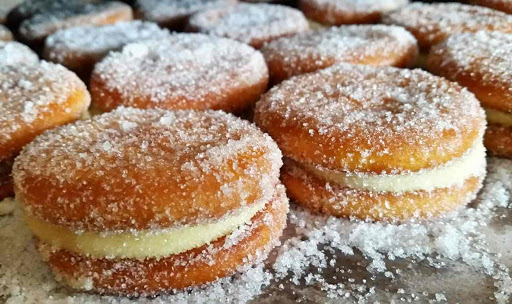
140 244
453 173
499 117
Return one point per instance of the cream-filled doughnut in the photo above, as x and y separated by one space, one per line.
433 23
141 202
482 62
174 14
338 12
80 48
184 71
14 53
376 143
254 24
359 44
33 98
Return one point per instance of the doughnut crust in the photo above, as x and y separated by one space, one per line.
146 169
371 119
5 34
357 44
196 267
433 23
500 5
320 196
338 12
498 140
185 71
254 24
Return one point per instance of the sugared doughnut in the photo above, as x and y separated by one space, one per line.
33 98
175 13
500 5
79 48
482 62
5 34
14 53
35 29
433 23
253 24
338 12
377 143
140 202
359 44
184 71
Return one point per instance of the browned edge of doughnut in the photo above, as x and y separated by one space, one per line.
498 140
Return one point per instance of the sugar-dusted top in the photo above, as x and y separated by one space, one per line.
357 6
161 11
71 14
5 34
432 23
353 43
250 23
483 57
371 119
32 98
97 41
182 71
146 169
14 53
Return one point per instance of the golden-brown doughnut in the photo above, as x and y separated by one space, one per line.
34 98
254 24
174 14
376 143
359 44
14 53
184 71
34 30
79 48
338 12
433 23
140 202
5 34
500 5
482 62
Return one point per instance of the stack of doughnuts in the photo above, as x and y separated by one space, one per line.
376 143
141 202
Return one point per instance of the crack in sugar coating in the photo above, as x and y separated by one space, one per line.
363 44
34 98
47 22
146 169
14 53
253 24
5 34
87 44
167 12
182 72
371 119
432 23
339 12
480 61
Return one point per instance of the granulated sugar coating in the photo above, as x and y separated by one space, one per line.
85 45
326 259
14 53
5 34
360 44
254 24
184 71
173 13
432 23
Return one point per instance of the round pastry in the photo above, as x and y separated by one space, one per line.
14 53
34 30
140 202
184 71
34 98
433 23
338 12
500 5
5 34
254 24
482 62
358 44
175 13
376 143
79 48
